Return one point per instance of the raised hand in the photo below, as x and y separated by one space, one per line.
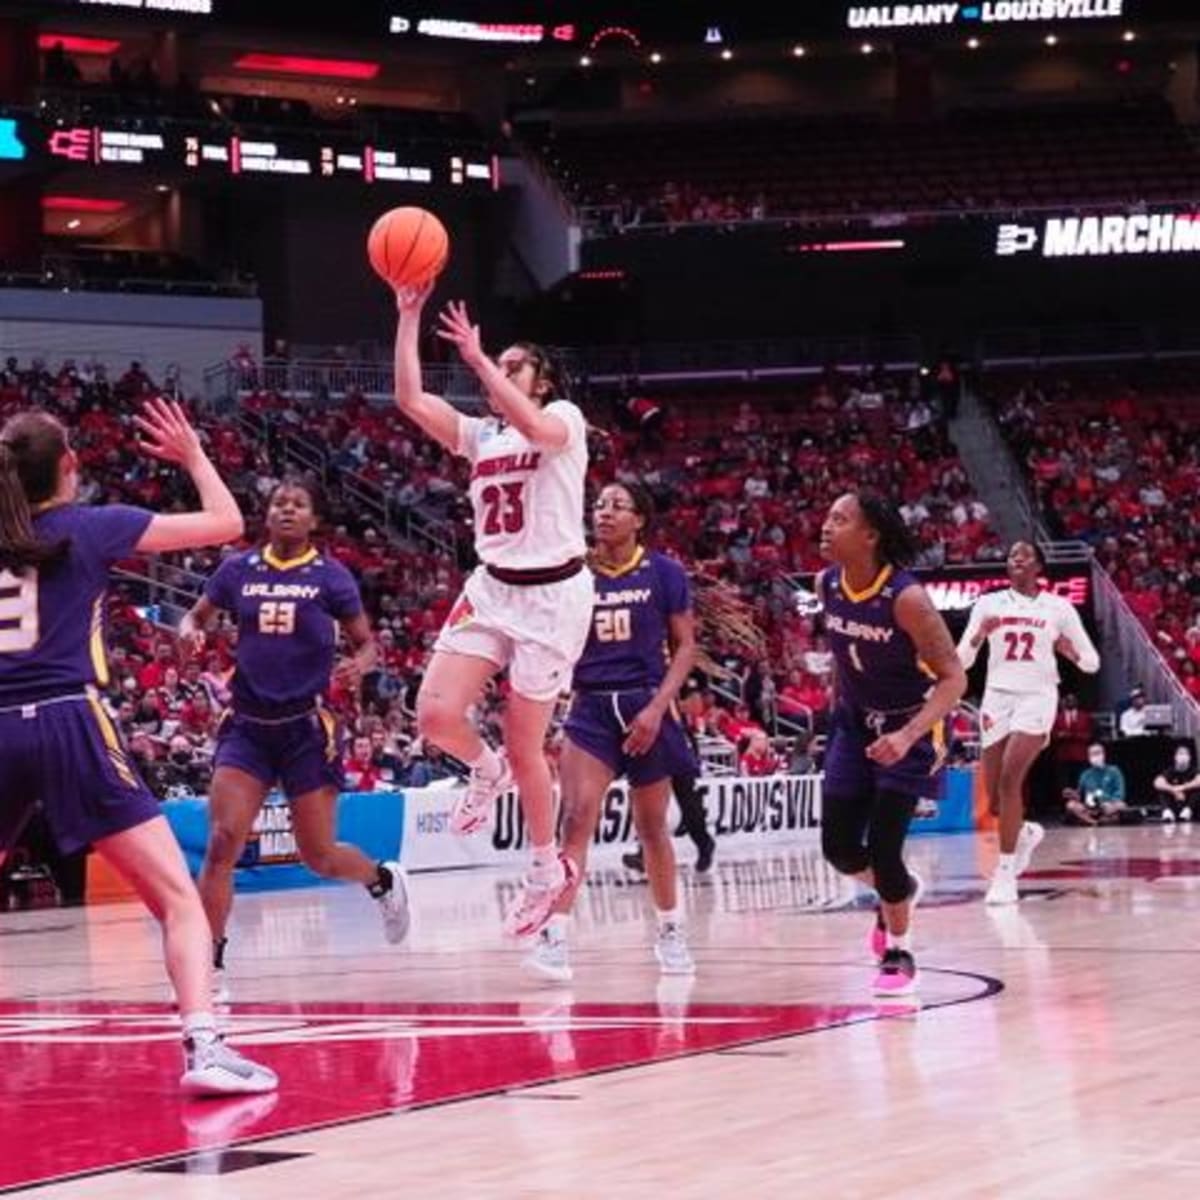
455 325
166 432
411 299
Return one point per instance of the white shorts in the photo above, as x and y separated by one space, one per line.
1003 713
537 632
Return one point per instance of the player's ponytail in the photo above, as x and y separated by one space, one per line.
548 370
27 443
897 546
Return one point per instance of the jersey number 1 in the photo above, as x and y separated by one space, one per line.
18 611
503 508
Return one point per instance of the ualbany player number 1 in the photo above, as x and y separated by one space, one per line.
897 677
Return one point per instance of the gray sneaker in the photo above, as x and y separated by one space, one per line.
211 1068
671 950
393 905
549 958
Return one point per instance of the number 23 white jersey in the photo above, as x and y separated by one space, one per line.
527 499
1021 654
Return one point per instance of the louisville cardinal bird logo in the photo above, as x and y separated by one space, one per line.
461 613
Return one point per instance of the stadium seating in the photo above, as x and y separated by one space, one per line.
746 474
972 160
1113 459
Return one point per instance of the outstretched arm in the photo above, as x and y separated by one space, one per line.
167 434
525 415
437 418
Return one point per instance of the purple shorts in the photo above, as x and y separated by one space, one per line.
848 770
67 757
302 754
599 724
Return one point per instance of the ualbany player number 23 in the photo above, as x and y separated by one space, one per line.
288 601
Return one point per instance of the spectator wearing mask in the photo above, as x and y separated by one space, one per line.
1099 798
1177 784
181 771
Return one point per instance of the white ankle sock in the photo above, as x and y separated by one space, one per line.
558 925
545 866
486 764
669 916
200 1027
1007 863
899 941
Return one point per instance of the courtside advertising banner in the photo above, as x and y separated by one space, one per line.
742 811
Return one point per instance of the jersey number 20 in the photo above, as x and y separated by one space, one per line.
613 625
18 611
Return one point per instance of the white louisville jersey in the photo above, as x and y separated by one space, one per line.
1021 654
527 499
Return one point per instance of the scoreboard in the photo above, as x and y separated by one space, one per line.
313 154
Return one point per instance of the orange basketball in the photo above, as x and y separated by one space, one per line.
408 246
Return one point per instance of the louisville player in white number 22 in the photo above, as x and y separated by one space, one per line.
528 605
1025 627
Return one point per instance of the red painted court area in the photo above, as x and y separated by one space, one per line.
89 1087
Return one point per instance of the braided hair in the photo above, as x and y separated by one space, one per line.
896 547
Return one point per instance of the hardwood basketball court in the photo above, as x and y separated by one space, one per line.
1052 1055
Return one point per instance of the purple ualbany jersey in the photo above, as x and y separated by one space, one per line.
52 620
287 614
623 664
881 683
629 644
58 747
